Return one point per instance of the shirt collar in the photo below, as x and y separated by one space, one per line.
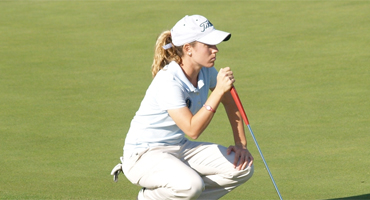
177 72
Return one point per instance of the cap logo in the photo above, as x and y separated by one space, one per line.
206 25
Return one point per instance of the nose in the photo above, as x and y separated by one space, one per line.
214 48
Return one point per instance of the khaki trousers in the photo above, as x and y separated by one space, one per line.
190 170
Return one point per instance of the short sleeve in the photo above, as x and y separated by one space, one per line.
170 94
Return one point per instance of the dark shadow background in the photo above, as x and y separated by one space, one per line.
364 196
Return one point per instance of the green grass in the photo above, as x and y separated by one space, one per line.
73 73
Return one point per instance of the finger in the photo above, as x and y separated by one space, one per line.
229 150
232 80
224 70
242 162
245 165
229 74
236 159
224 76
251 160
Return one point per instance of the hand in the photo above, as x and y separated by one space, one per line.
242 155
225 79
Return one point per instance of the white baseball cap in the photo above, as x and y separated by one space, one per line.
197 28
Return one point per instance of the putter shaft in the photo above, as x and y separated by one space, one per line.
244 116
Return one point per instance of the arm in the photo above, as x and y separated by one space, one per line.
242 155
235 119
194 125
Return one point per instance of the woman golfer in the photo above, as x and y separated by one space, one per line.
157 155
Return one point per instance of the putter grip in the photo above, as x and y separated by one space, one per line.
236 98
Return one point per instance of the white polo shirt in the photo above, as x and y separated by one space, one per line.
170 89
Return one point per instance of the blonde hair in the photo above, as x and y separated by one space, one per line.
162 56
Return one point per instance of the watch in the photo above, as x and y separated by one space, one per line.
209 108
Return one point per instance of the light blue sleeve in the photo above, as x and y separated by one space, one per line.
170 94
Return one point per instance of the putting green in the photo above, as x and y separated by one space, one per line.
73 73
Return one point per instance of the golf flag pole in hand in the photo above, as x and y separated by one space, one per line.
244 116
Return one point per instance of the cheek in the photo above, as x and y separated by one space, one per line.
202 53
200 57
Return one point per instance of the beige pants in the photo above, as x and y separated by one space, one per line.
190 170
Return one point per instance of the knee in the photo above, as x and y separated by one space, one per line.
190 189
238 177
247 173
244 175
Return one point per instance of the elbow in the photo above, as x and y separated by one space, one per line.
193 135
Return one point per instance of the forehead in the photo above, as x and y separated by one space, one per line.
202 45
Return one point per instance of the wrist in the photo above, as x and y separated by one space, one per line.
218 91
244 146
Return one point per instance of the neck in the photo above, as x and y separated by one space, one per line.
191 72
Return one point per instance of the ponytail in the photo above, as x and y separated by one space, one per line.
162 56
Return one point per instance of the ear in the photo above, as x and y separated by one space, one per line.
186 48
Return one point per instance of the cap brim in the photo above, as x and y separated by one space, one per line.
215 37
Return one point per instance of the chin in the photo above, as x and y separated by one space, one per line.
209 65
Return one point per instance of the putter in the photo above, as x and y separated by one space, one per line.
245 119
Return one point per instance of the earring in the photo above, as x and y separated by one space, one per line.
189 54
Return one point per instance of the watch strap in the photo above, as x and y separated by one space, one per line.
209 108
